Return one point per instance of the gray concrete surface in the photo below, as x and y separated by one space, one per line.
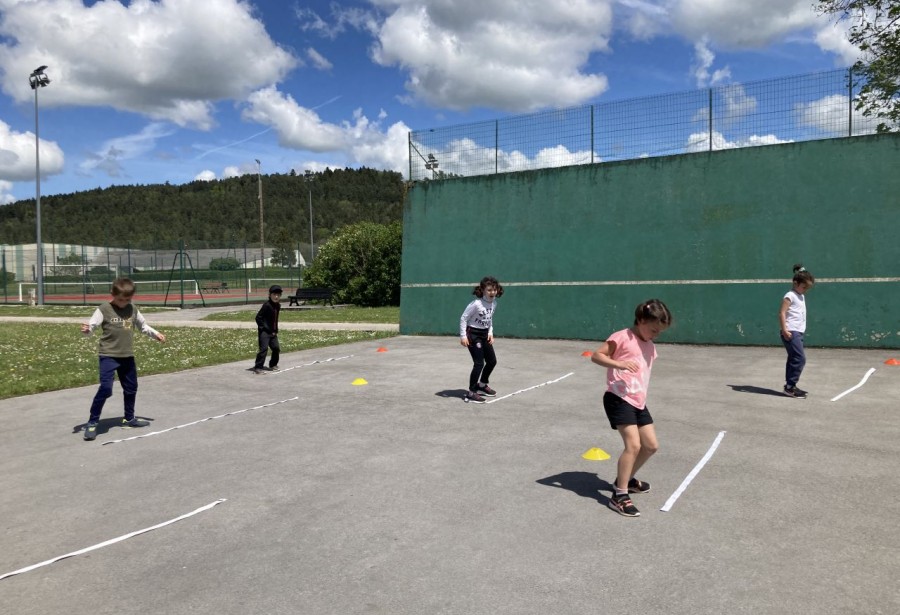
395 497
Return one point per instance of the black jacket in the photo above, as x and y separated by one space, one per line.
267 317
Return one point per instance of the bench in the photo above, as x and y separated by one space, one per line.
310 294
214 287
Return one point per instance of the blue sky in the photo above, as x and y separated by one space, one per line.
147 92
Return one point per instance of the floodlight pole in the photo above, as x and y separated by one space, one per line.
38 80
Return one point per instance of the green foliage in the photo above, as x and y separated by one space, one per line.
215 213
875 30
283 254
7 277
228 263
71 259
361 263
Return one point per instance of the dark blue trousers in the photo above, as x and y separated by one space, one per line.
266 342
796 358
126 368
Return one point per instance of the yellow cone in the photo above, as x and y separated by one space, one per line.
596 454
359 382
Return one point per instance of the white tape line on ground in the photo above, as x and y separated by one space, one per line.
861 382
530 388
287 369
110 542
687 481
209 418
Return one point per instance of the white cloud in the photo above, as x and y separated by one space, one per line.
362 140
108 158
516 56
165 59
17 160
6 197
739 23
699 142
318 60
833 38
205 176
232 171
829 116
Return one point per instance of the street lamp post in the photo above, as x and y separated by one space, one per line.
38 80
262 241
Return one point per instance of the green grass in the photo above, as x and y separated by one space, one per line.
58 311
388 315
37 357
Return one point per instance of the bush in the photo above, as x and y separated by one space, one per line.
224 264
361 263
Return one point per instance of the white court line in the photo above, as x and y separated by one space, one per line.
110 542
530 388
209 418
861 382
287 369
687 481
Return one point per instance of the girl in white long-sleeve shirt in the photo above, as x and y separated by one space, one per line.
476 332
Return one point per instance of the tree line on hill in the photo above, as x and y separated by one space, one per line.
216 213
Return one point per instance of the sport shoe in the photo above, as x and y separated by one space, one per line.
623 505
90 431
473 397
794 392
135 422
259 370
274 368
486 390
635 486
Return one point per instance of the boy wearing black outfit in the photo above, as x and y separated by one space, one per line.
267 323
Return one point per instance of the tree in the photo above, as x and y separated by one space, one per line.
283 254
875 30
361 263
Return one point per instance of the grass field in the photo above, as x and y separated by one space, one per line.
37 357
388 315
61 311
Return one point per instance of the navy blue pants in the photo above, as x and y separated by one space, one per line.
126 368
267 341
796 359
483 358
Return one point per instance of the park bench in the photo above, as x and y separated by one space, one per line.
310 294
214 287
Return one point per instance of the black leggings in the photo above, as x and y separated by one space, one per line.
483 358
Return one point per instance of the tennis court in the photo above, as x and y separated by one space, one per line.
302 492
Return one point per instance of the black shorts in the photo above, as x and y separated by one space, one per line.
620 412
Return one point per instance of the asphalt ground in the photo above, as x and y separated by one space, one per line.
396 497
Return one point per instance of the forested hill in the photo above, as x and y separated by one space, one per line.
217 213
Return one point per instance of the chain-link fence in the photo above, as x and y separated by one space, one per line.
785 110
175 274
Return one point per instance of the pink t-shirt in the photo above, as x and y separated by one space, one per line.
631 386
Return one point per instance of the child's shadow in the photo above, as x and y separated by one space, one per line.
459 393
104 425
585 484
749 388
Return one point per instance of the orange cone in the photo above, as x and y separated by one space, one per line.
892 362
586 353
382 349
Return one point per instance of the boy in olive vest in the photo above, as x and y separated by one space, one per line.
117 320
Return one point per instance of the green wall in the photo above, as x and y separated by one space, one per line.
714 235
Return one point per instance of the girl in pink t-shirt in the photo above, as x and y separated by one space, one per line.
628 356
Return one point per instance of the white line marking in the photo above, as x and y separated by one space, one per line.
861 382
530 388
110 542
287 369
687 481
209 418
649 282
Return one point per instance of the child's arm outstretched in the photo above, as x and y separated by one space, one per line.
147 329
604 356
